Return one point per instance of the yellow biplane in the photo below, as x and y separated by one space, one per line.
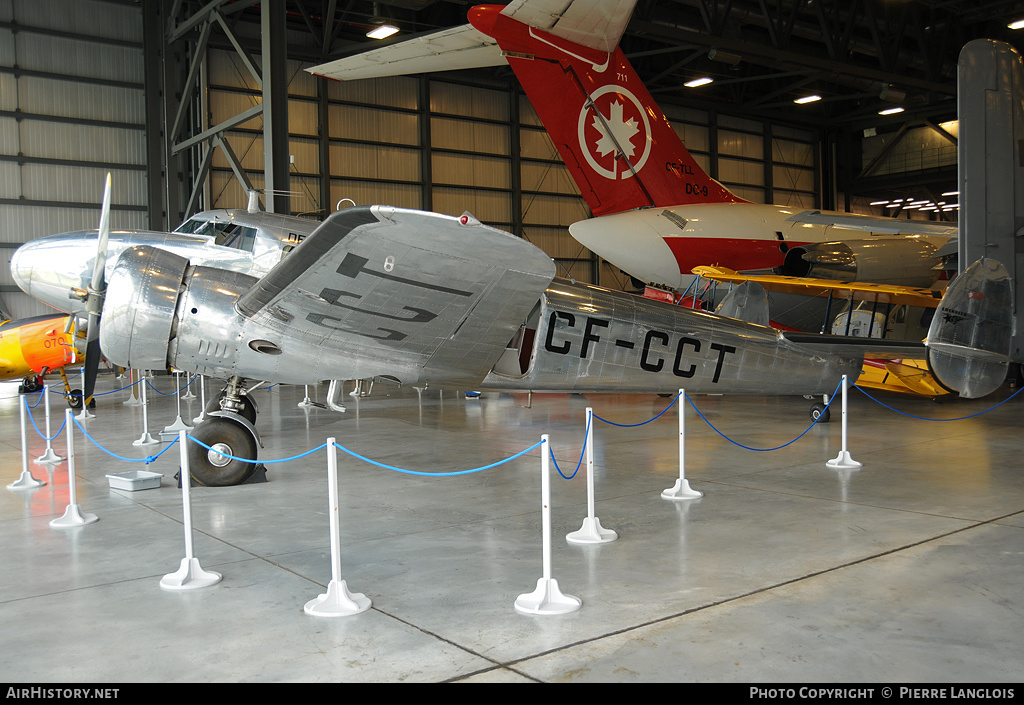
862 310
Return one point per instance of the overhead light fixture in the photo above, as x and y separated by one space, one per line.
807 99
698 82
1016 25
890 111
725 57
382 31
950 193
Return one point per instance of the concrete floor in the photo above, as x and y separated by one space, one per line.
907 570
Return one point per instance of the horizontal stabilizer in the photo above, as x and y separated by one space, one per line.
969 338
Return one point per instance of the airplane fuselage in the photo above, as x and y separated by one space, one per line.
663 245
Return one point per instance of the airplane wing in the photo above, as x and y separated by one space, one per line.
455 49
876 224
597 24
859 291
393 285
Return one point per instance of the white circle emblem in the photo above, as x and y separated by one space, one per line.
612 128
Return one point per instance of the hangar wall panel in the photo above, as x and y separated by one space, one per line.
82 110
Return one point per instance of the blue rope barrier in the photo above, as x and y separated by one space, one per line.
36 426
765 449
634 425
169 394
435 474
95 394
582 453
252 460
922 418
147 460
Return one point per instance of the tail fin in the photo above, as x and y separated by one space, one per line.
969 338
613 138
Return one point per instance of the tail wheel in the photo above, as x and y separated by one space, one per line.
74 398
820 413
224 437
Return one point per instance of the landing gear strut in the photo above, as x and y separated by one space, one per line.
228 431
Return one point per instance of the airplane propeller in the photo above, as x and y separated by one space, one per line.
94 301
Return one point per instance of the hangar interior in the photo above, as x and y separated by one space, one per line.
904 570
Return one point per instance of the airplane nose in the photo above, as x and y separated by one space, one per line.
48 268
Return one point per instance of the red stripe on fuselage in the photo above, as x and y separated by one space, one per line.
735 253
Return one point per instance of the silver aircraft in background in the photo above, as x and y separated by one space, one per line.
425 299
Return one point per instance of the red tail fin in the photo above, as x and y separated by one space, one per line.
613 138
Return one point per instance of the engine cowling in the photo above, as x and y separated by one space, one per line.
137 322
909 261
153 296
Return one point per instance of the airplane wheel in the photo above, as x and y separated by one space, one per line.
248 407
820 413
211 469
74 398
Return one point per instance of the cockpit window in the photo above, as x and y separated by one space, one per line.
234 235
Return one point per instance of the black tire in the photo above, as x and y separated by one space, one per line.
211 470
820 413
248 407
74 398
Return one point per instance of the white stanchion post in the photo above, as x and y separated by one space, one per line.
178 424
546 598
73 515
133 384
843 460
188 389
145 439
26 481
190 575
202 401
306 401
49 456
337 601
682 489
591 531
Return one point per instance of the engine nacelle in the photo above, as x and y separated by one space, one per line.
909 261
138 309
153 295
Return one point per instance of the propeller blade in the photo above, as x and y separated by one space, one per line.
94 302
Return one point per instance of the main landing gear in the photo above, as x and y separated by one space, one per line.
232 440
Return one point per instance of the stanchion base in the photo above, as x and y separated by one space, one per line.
85 415
146 440
843 461
49 457
178 425
132 401
337 602
681 490
73 517
190 576
26 482
592 532
547 599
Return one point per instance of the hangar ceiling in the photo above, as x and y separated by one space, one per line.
860 58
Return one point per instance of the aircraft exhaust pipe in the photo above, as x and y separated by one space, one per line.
882 260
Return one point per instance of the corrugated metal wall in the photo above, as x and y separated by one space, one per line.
443 145
71 109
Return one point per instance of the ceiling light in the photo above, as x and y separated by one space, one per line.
1016 25
698 82
878 203
382 32
890 111
951 193
807 99
725 57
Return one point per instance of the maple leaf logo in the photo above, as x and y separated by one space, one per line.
616 132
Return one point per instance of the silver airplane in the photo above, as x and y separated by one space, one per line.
425 299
